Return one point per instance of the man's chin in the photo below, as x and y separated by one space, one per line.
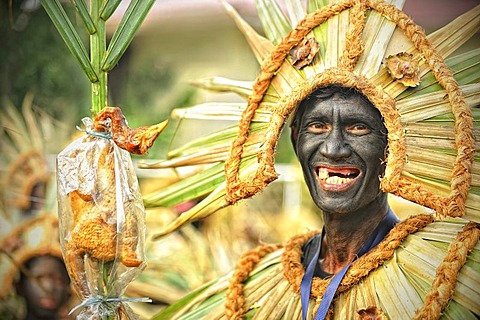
46 313
338 205
336 196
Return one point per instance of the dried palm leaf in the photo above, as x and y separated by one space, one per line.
397 288
426 115
25 137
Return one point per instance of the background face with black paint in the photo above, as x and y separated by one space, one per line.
340 141
46 288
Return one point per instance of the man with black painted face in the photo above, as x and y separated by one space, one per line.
45 288
341 142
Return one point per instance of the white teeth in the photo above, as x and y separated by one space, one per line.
336 180
322 174
325 176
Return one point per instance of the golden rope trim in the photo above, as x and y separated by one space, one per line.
27 171
384 103
23 160
354 47
294 271
360 268
17 265
443 287
238 190
453 205
24 199
292 259
416 193
13 259
234 301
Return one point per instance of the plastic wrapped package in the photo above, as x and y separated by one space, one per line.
102 223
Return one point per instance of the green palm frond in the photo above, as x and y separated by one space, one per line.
425 112
274 22
398 287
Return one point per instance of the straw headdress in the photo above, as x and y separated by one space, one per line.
28 227
36 236
429 103
420 271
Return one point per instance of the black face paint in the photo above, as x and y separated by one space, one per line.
47 288
340 143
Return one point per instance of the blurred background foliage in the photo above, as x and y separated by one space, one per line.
180 41
150 80
35 59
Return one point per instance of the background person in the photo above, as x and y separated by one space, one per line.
45 286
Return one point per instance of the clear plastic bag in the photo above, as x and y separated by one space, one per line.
102 223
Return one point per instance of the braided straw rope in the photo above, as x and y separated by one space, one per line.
453 205
236 189
294 271
234 299
12 257
29 169
361 267
443 286
354 48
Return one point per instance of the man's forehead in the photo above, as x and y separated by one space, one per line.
353 102
345 110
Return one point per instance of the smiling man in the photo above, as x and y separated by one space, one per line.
341 142
370 116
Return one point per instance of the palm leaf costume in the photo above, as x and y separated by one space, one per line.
429 102
28 223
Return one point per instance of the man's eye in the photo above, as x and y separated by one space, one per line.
56 279
319 127
359 129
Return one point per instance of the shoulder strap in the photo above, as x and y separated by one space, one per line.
377 235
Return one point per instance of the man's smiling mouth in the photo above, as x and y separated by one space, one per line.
336 178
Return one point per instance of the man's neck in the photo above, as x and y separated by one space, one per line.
346 234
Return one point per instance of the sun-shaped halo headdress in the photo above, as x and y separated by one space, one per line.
375 48
29 227
36 236
343 73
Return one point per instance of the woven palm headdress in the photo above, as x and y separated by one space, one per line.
429 103
36 236
28 226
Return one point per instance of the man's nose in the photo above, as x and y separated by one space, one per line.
334 146
46 284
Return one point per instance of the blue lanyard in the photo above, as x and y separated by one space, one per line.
380 232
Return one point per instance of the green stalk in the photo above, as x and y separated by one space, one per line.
98 46
71 37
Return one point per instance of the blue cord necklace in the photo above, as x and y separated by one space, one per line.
380 232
